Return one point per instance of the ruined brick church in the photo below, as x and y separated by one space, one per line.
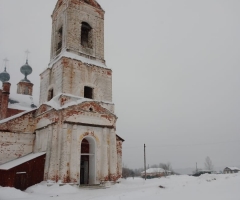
72 132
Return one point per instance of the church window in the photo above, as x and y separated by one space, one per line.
88 92
26 91
50 94
86 35
59 40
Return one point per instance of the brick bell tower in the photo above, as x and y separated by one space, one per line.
77 74
77 64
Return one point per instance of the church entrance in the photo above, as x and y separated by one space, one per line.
87 167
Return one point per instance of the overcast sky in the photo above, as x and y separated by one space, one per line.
176 74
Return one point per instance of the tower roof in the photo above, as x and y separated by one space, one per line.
26 70
93 3
4 76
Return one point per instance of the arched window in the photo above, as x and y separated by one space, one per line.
59 40
86 35
50 94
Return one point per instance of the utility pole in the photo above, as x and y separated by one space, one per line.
145 161
196 167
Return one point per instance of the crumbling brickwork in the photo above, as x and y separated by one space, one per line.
25 88
70 76
78 11
5 97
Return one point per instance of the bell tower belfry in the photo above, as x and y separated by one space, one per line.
78 27
77 64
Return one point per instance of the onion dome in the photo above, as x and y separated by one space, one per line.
4 76
26 69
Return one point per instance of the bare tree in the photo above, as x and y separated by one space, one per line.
154 166
137 172
166 166
208 164
126 172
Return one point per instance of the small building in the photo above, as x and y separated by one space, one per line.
23 172
155 172
230 170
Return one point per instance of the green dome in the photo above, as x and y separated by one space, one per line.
4 76
26 69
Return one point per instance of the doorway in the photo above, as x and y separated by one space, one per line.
87 161
21 180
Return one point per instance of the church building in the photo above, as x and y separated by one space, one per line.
72 133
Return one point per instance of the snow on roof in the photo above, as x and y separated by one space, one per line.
22 102
154 170
20 161
15 116
75 100
64 53
55 103
234 168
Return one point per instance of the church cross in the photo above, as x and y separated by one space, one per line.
5 63
27 53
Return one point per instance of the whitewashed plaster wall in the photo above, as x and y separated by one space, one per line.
77 75
51 78
70 76
119 157
64 152
15 145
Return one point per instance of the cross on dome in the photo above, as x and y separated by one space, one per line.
5 63
27 53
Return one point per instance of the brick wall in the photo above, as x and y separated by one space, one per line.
24 88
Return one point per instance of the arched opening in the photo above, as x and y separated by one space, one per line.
87 161
50 94
86 39
59 40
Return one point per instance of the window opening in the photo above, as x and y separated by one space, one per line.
50 94
88 92
26 90
59 44
85 34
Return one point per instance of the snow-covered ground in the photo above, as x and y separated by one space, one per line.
205 187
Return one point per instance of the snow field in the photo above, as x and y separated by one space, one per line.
183 187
